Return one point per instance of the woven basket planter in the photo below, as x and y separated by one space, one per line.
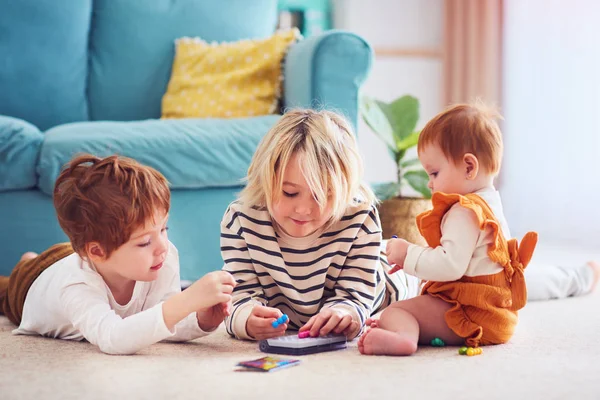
398 217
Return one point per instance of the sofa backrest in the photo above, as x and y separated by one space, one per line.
65 61
44 60
132 46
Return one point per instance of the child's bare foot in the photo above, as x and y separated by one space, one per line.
28 256
595 266
377 341
372 323
361 340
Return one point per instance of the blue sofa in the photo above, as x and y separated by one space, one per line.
89 75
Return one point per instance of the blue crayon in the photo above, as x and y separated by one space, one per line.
281 320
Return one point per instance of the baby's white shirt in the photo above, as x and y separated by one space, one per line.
464 247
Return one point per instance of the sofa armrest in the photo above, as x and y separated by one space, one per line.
326 71
20 144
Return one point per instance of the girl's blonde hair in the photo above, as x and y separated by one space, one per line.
466 128
329 161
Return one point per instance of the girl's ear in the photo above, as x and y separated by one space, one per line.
95 252
471 166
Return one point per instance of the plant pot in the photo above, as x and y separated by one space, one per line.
399 217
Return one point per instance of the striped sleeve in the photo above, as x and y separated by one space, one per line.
355 288
248 291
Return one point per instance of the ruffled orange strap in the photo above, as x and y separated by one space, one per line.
430 222
510 255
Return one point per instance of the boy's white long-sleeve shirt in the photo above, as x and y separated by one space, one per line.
70 300
464 247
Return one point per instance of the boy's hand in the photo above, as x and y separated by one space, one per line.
258 325
332 320
396 251
212 289
211 318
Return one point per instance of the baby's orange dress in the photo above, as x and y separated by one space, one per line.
484 307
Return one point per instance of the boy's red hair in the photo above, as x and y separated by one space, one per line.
105 199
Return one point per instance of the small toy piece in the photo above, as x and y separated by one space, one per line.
437 342
281 320
303 335
470 351
474 351
394 236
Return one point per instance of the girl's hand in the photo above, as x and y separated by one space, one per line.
396 251
258 325
332 320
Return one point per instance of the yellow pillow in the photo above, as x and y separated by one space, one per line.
226 80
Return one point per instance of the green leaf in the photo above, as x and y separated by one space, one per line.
403 115
374 116
418 180
409 141
410 163
386 191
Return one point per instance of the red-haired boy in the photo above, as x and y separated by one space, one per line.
116 284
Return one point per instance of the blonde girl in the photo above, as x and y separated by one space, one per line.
304 236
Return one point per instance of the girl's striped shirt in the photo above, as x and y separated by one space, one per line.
340 267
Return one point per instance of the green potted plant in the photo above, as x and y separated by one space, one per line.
394 123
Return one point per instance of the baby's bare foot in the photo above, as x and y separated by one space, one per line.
595 266
372 323
28 256
377 341
361 340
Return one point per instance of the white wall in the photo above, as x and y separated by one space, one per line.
551 175
395 24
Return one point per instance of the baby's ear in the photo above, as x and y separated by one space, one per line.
471 164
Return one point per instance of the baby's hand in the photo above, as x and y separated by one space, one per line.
332 320
396 250
259 323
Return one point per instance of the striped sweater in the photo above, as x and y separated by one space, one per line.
340 267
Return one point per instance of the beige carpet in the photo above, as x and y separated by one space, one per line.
554 355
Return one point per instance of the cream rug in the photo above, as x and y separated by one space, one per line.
555 354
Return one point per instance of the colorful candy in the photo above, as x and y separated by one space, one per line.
470 351
437 342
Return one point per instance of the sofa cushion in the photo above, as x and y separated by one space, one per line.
132 47
227 80
44 60
191 153
20 144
